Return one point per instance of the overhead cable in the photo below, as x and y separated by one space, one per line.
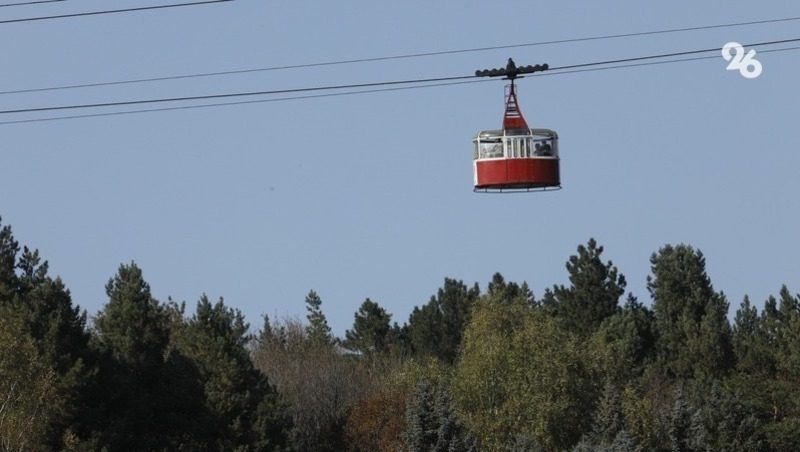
357 85
375 90
6 5
400 56
112 11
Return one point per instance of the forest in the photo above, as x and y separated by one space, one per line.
582 367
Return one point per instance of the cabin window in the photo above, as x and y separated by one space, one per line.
492 148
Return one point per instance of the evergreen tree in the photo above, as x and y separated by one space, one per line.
508 292
789 305
399 339
764 384
783 328
132 327
8 261
626 342
59 331
143 391
243 410
609 432
317 329
744 332
265 334
727 424
624 442
687 433
691 318
436 328
421 427
680 424
431 424
789 351
55 327
754 347
608 421
424 332
593 294
370 329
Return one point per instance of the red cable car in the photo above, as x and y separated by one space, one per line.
515 158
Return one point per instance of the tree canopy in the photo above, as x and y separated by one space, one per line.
497 369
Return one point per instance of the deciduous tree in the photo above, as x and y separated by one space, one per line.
319 383
520 374
28 386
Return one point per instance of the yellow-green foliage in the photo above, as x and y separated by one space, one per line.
27 386
521 376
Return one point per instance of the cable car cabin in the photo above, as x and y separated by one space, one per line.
516 160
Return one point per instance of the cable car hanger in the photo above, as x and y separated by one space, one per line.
511 71
515 158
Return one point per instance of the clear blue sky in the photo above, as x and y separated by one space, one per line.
370 195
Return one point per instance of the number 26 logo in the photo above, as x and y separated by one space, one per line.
747 65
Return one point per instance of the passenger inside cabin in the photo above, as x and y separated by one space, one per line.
491 149
543 149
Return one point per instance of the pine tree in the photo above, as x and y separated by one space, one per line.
768 365
593 294
508 292
243 410
744 335
691 318
55 326
143 390
132 326
370 329
784 432
626 342
265 334
8 261
424 329
317 329
436 328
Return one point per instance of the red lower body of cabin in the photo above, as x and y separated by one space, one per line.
516 173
